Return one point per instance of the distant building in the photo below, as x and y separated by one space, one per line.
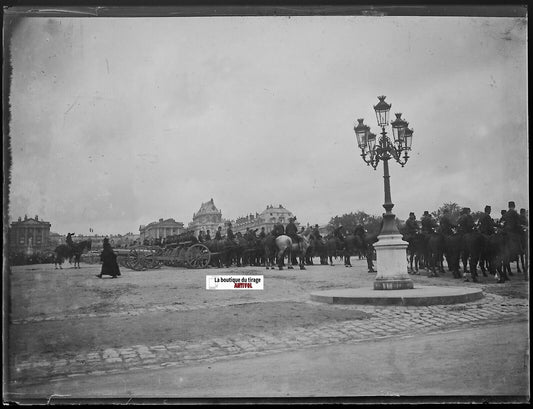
207 218
160 229
29 236
267 219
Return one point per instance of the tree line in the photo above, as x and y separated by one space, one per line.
372 223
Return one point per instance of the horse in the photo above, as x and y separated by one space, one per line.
359 242
281 246
473 246
317 248
333 245
435 253
270 250
416 251
223 252
452 252
512 251
79 249
63 252
249 247
493 255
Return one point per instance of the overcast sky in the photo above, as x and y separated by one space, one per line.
117 122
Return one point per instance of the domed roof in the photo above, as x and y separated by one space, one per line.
275 210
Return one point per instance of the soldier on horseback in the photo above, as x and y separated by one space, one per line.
485 222
292 231
69 241
428 223
338 233
229 234
466 221
411 226
523 219
511 220
445 223
316 233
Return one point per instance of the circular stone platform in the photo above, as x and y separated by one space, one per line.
420 295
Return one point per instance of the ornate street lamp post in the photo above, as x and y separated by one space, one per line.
390 248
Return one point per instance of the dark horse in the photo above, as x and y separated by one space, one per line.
224 252
334 245
361 243
63 252
436 245
416 251
472 252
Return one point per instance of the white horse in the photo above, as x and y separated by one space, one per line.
286 247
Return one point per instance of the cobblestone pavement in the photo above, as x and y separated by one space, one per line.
385 321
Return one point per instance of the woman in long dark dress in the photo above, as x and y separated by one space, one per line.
109 261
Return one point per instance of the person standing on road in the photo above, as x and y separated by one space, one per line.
109 261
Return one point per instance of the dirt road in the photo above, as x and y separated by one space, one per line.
68 322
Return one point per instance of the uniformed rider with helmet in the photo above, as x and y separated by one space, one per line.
292 231
69 241
466 221
229 234
316 233
428 223
218 234
485 222
445 223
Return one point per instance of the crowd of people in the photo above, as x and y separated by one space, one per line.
510 221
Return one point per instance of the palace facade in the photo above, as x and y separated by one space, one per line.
267 219
29 236
208 217
160 229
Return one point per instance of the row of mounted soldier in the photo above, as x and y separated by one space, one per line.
490 244
261 248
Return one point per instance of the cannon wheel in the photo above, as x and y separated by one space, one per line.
135 260
151 259
198 256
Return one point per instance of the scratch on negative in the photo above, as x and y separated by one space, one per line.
74 103
55 395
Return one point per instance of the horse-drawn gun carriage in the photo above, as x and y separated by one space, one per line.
183 251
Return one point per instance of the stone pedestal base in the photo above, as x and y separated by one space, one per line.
391 263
